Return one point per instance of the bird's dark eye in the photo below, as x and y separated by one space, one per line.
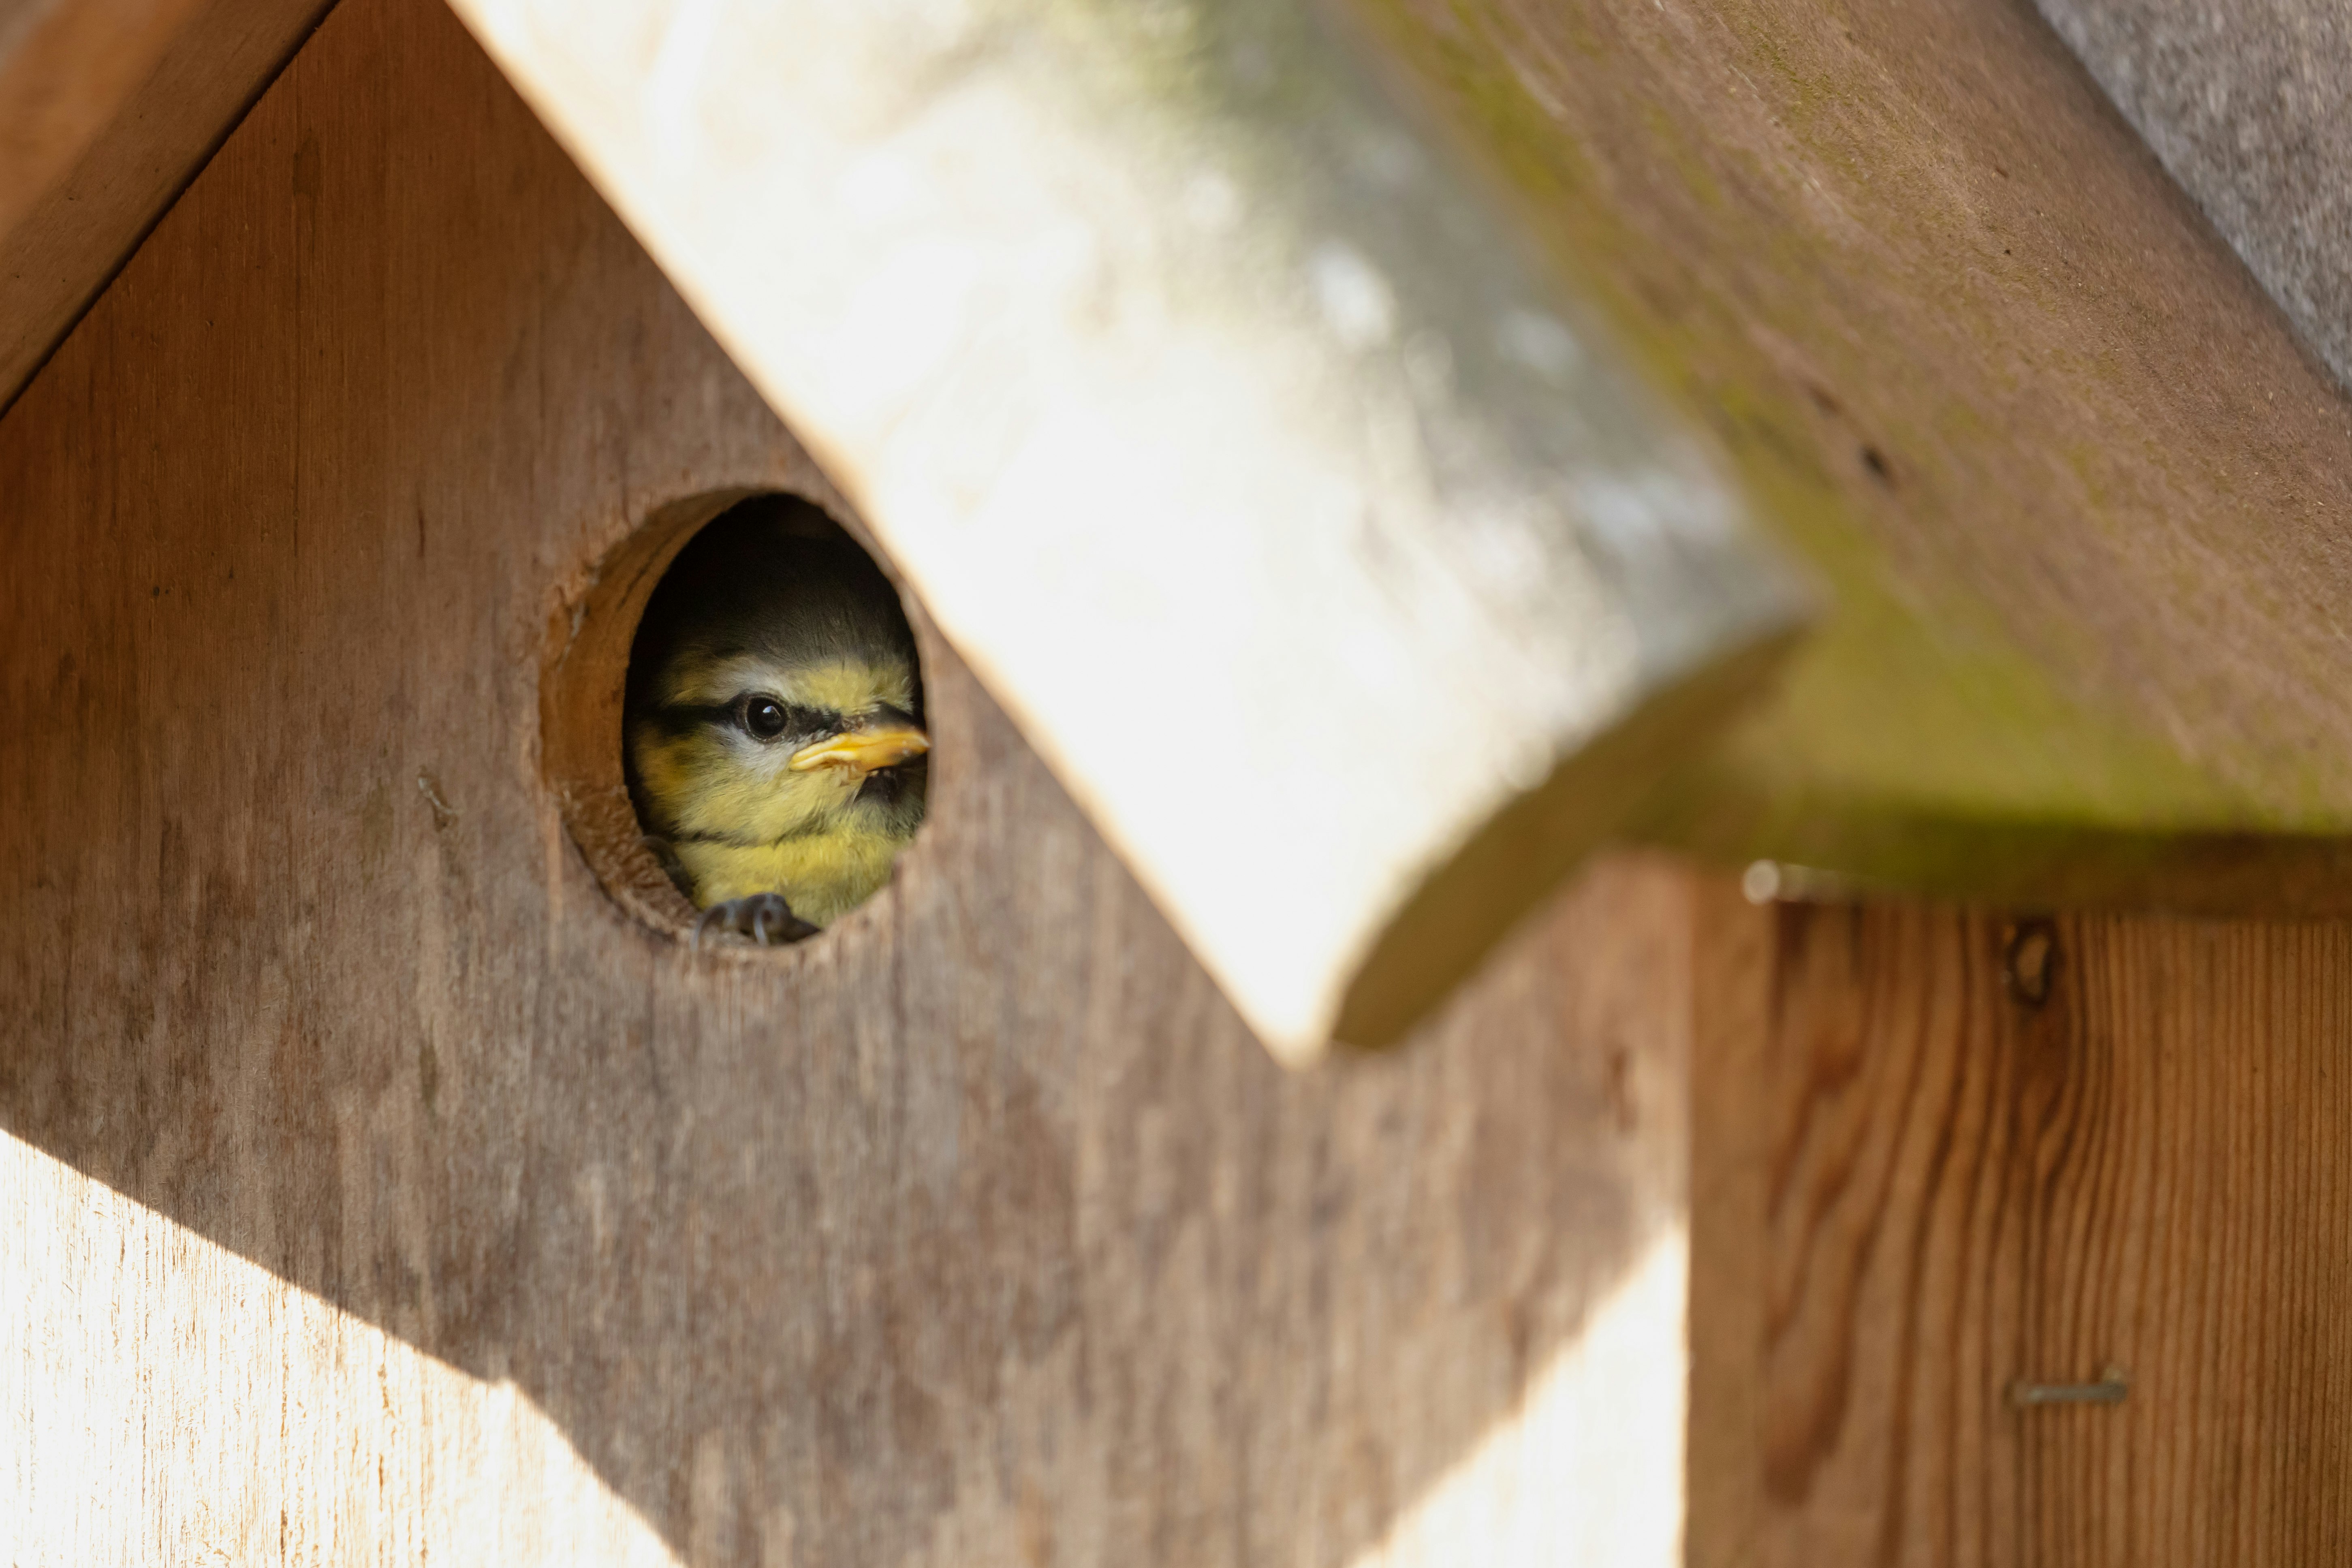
763 718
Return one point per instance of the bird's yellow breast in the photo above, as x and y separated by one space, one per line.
822 875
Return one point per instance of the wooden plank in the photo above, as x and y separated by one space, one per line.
979 1230
2080 493
192 1409
1919 1187
107 108
2250 109
1184 376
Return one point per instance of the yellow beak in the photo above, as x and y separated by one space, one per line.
863 751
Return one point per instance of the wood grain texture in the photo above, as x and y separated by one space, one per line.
107 108
1916 1187
191 1408
2081 494
978 1231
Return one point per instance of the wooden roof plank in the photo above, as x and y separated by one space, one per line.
108 108
1259 466
2081 494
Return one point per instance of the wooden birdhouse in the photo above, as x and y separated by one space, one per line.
1638 777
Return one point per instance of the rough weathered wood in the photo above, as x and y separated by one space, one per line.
1919 1187
186 1406
2250 105
107 107
2080 493
1172 340
977 1231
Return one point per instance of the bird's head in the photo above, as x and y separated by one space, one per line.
744 748
773 691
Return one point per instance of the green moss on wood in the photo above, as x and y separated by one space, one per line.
1923 737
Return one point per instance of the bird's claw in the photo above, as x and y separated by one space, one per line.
765 918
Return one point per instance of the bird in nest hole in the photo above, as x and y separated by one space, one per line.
774 721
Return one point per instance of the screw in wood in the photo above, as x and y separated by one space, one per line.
2113 1385
444 813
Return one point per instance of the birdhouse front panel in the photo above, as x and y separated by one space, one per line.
388 1181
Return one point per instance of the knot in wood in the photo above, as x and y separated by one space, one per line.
2030 961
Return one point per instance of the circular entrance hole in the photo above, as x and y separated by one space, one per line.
732 719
